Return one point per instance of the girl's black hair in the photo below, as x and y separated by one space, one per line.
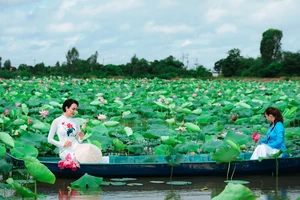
68 104
276 113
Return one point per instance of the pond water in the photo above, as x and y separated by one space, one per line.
205 187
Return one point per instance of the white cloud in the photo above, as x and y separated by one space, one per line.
167 3
226 28
125 27
152 28
61 28
110 6
185 43
71 41
214 14
273 10
65 7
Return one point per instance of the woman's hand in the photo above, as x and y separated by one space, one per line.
81 135
68 144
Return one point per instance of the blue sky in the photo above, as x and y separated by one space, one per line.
197 31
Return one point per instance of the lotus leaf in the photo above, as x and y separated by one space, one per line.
2 151
87 181
38 170
192 127
25 109
4 166
236 192
128 131
118 144
7 139
24 192
110 123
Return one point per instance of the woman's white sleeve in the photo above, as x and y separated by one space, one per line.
51 135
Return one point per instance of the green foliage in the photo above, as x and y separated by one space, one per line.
270 46
235 192
87 181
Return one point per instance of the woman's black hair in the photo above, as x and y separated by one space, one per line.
276 113
68 104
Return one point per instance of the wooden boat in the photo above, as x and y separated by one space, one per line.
135 166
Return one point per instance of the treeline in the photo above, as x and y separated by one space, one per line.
273 62
138 68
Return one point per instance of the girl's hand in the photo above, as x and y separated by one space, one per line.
68 144
81 135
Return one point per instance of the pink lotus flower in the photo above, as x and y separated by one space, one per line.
117 98
167 102
29 121
6 112
69 162
101 117
194 95
44 113
101 99
255 137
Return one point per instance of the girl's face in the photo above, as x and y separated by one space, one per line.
71 111
270 117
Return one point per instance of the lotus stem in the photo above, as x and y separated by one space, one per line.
228 170
276 167
233 172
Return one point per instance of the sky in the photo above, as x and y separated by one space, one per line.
196 32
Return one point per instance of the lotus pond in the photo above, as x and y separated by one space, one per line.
142 116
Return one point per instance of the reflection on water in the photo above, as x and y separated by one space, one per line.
204 188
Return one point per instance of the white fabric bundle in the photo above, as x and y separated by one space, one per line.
88 153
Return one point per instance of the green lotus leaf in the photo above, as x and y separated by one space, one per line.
87 181
175 160
197 111
24 192
170 140
226 155
186 111
38 170
55 104
7 139
2 151
236 181
25 109
241 121
192 127
128 131
179 183
163 149
118 144
100 129
19 122
212 146
4 166
136 149
170 121
235 192
111 123
24 150
238 138
137 137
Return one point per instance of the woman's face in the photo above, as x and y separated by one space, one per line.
71 111
270 117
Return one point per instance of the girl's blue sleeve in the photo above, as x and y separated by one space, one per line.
279 134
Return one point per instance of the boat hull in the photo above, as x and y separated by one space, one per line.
186 168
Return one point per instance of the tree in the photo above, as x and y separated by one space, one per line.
72 57
92 60
7 65
270 46
230 65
